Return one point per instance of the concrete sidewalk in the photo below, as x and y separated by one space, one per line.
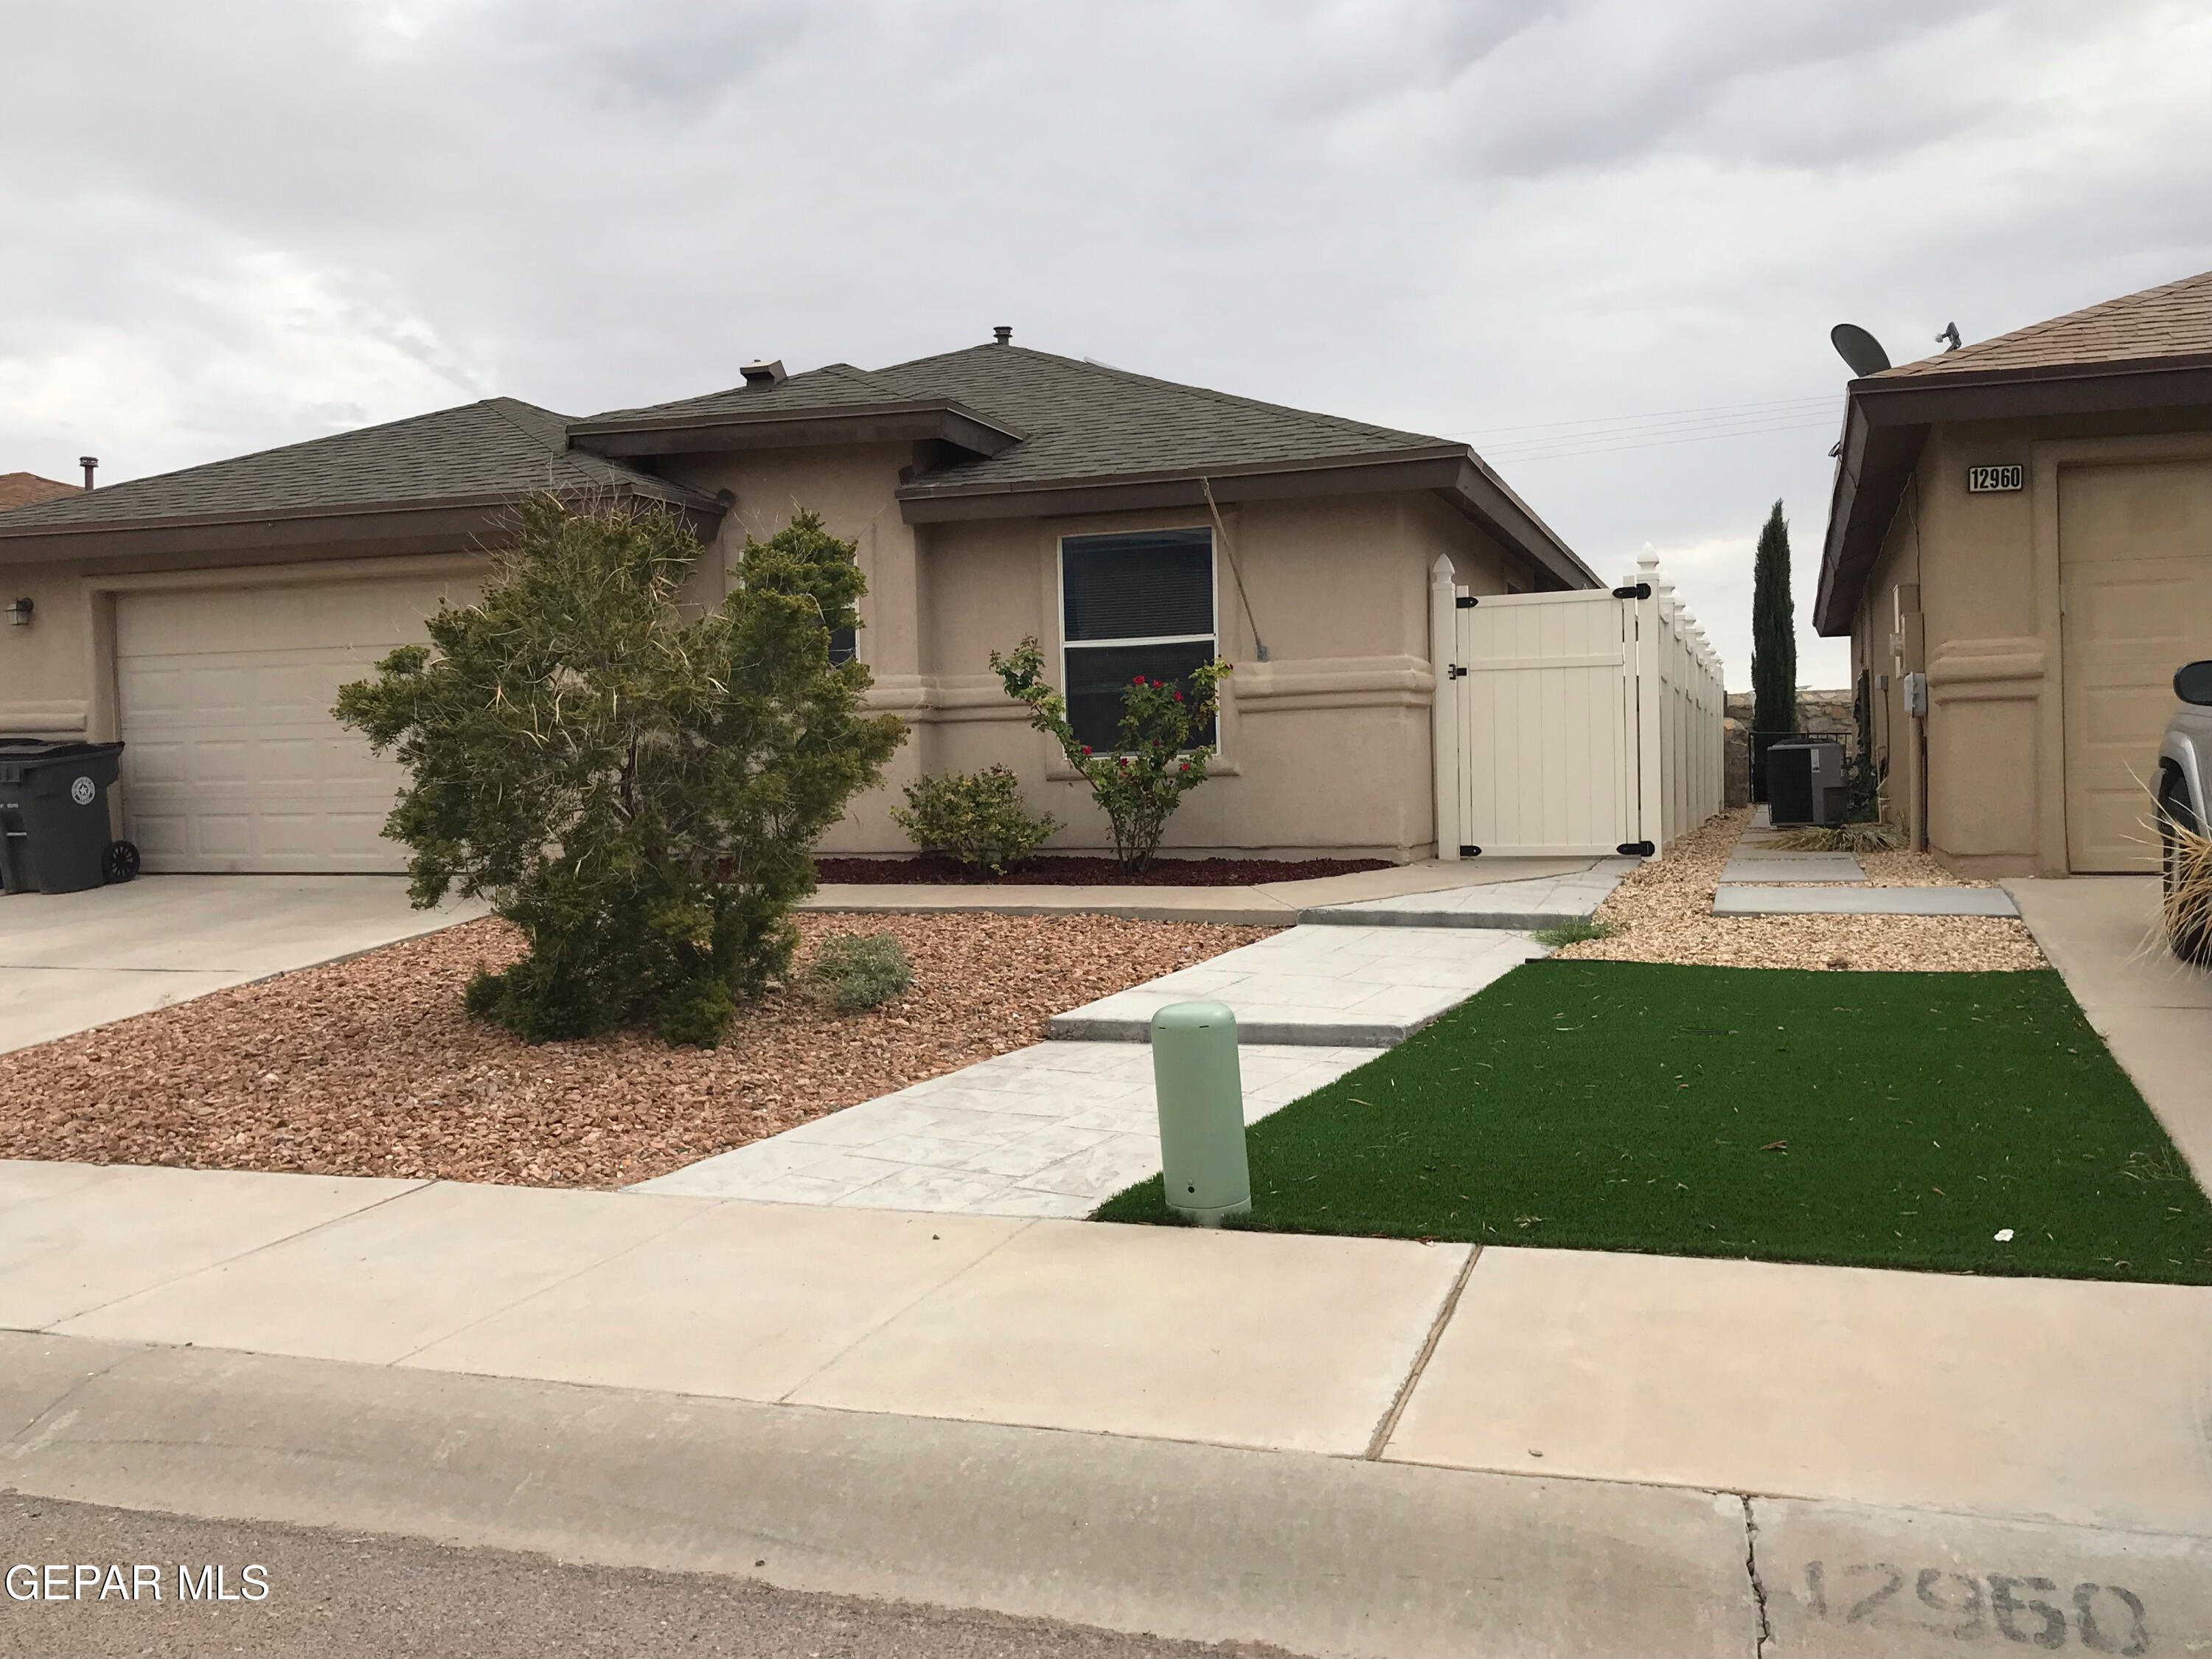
1870 1386
72 961
1344 1445
2101 933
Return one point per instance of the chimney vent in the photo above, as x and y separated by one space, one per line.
91 464
764 374
1004 334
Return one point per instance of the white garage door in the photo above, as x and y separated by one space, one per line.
2135 559
232 762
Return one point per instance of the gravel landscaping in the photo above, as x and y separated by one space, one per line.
1663 911
369 1066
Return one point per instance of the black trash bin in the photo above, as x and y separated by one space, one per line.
53 817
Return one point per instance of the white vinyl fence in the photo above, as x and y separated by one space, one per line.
1583 722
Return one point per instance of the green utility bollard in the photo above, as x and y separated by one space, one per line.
1201 1100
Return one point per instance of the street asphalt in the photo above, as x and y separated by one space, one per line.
337 1593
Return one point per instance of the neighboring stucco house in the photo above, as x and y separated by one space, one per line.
2028 521
207 616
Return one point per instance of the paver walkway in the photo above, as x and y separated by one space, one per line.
1541 902
1347 987
1277 904
1051 1130
1744 899
1762 864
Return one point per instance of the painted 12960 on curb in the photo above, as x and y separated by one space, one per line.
2102 1618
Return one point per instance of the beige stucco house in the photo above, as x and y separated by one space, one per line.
207 616
2027 521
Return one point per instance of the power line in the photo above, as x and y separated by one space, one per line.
1718 426
1662 414
1537 453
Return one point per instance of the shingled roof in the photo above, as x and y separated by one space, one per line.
1054 431
483 453
1084 420
2173 319
1073 419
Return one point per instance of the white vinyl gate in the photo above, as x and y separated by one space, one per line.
1585 722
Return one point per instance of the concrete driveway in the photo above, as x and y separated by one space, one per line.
2101 933
72 960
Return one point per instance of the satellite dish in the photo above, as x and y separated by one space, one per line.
1859 348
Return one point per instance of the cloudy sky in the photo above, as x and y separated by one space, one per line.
1603 241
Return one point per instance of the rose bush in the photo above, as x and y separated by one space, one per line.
1155 761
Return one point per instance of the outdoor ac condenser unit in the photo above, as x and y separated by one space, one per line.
1805 781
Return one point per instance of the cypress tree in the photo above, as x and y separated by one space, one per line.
1773 631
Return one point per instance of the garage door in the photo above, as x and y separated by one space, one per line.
232 761
2135 558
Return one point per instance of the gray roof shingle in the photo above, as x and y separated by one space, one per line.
498 447
1085 420
2173 319
833 386
1079 420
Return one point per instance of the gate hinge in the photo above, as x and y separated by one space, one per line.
1635 849
1470 852
1640 591
1455 672
1466 601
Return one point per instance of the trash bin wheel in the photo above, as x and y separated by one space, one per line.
121 861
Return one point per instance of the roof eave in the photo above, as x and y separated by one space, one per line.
909 420
1887 418
401 526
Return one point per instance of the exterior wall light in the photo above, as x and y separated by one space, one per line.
19 611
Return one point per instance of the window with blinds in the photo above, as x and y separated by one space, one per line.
1139 604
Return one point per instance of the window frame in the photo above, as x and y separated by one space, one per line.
1213 602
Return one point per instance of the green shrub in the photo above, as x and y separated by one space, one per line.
1154 764
976 817
637 790
853 971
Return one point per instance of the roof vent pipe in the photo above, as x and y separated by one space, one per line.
1003 334
766 372
91 464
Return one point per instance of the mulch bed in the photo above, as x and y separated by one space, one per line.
1075 870
369 1066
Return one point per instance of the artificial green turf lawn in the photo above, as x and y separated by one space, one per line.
1878 1119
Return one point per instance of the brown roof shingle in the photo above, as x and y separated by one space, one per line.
26 489
2172 320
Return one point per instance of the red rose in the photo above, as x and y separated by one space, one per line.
1178 696
1086 748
